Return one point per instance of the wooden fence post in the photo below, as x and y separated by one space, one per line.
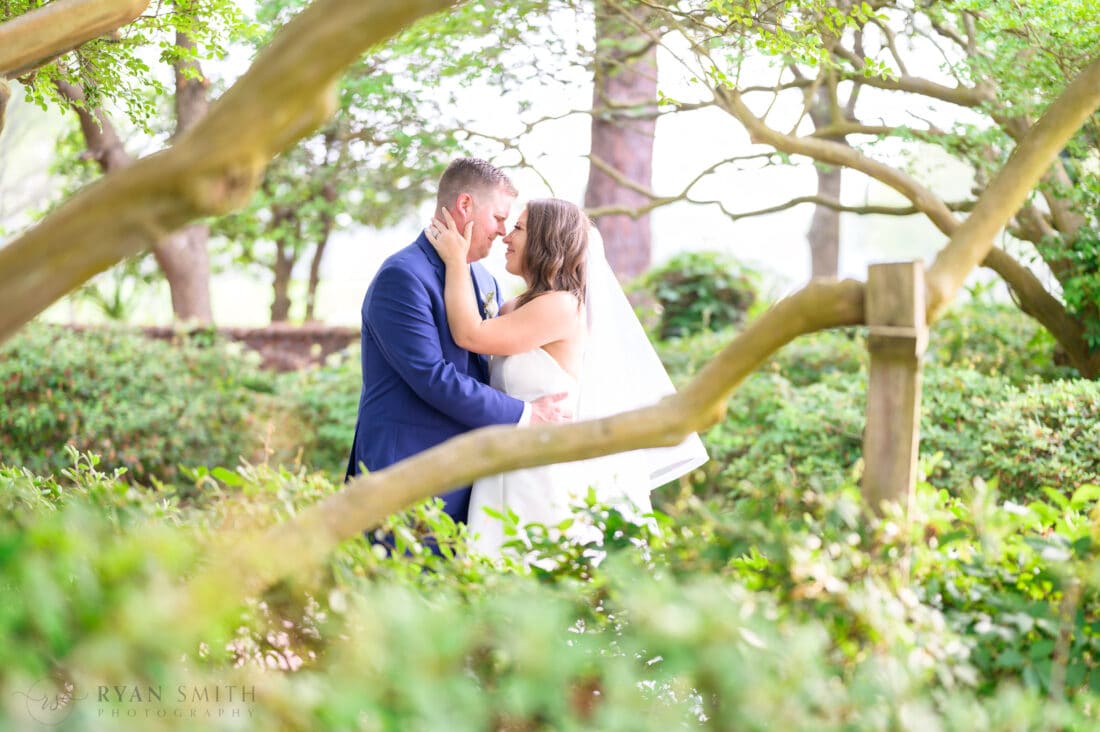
895 307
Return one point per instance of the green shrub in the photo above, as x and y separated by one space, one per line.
325 404
788 612
975 425
811 358
1046 435
699 291
143 405
804 361
957 406
993 405
776 432
996 339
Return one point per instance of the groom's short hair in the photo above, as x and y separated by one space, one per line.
473 176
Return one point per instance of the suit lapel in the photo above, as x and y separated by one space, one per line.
477 360
477 292
476 272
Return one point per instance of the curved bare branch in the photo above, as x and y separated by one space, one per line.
828 151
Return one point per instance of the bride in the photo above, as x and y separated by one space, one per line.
571 331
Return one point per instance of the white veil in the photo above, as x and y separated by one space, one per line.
622 372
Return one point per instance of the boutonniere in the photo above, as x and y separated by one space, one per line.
489 304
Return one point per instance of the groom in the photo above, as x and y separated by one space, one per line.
419 388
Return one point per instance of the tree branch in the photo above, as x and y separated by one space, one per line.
835 205
827 151
215 165
964 96
656 201
973 239
891 43
297 545
37 36
1034 300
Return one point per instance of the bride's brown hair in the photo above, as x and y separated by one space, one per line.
556 249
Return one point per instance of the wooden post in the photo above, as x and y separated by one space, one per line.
898 336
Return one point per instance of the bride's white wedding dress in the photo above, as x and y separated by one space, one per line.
540 495
621 372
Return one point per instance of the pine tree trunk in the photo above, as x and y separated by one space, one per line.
624 103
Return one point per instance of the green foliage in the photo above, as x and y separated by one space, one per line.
397 127
979 359
115 71
791 612
1015 57
777 433
146 406
974 425
1044 436
325 403
1080 265
995 339
1017 583
699 291
765 600
985 411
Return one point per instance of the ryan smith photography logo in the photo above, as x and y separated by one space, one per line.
49 704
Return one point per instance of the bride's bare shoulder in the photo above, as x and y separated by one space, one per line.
562 300
508 306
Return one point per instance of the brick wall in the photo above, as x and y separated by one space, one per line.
283 347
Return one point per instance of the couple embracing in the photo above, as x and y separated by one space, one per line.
442 354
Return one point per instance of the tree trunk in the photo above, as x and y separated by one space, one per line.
624 102
315 269
183 255
327 222
284 266
102 142
824 233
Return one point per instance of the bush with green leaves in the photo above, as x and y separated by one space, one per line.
324 404
790 611
996 339
143 405
804 361
990 339
972 425
994 405
700 291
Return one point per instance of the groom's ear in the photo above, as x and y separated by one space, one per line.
464 204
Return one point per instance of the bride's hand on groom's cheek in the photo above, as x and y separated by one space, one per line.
451 244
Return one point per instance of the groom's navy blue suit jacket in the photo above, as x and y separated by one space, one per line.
419 388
